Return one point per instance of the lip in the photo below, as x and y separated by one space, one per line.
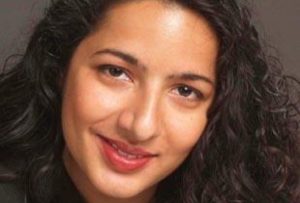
122 157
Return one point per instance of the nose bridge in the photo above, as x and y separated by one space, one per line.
145 122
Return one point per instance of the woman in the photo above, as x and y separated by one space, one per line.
148 101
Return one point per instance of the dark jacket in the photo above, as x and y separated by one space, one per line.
11 192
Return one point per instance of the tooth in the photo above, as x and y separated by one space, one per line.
128 156
114 146
125 154
132 156
121 152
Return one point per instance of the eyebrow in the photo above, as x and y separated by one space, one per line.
192 77
120 54
135 62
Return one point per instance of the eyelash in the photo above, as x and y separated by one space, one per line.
107 68
198 94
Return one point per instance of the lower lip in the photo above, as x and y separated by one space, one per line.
121 163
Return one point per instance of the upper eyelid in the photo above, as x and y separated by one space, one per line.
106 66
112 65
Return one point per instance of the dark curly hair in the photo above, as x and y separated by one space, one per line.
249 151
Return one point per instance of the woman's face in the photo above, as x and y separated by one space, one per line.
136 97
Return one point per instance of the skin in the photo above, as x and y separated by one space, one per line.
143 104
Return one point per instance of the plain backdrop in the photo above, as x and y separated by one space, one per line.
277 20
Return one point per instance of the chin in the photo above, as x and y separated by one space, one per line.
124 192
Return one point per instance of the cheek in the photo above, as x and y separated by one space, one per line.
185 130
87 101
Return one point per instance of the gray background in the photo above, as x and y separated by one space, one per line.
278 22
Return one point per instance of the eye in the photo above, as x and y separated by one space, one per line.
114 71
188 92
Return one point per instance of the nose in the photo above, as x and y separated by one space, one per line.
139 121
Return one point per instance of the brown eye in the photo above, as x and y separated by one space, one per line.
114 71
185 91
188 92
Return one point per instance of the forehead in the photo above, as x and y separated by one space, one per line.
153 30
158 20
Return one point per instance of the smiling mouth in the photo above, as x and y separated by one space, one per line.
122 157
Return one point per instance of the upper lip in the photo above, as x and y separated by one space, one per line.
128 149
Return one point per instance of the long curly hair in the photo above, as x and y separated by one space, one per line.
249 151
